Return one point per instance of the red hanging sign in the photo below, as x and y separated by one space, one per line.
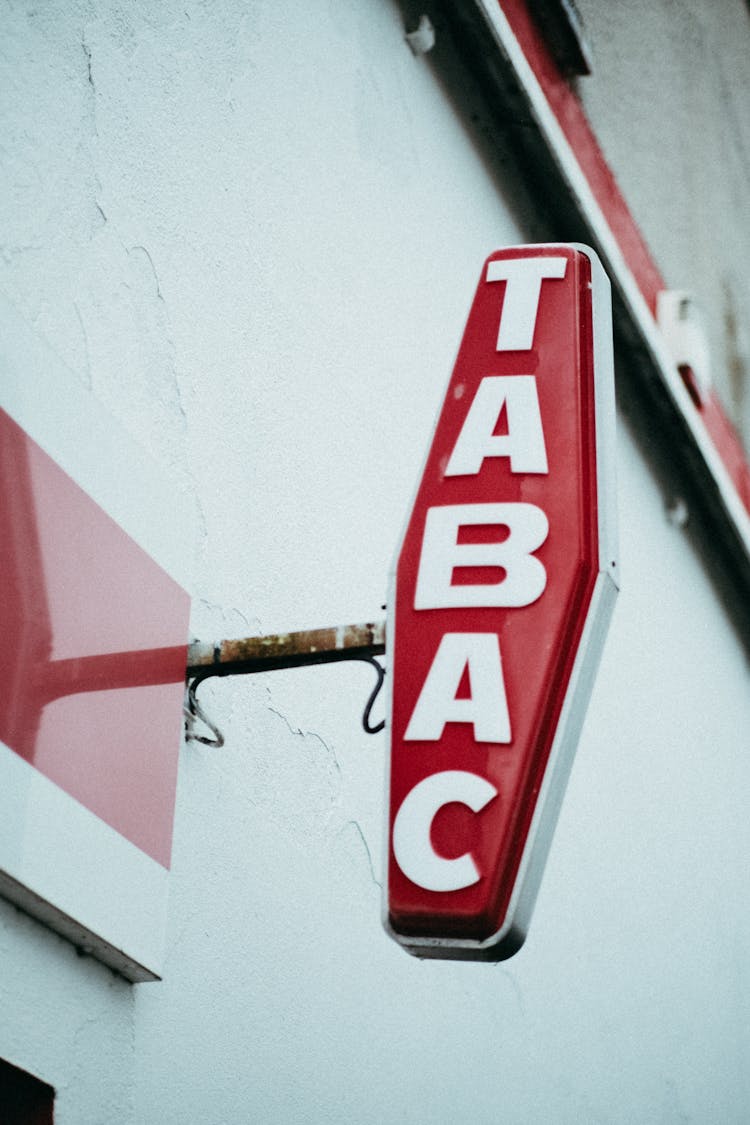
503 589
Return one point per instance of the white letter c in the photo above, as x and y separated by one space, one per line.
412 847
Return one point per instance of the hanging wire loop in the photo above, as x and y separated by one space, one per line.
366 724
193 711
282 650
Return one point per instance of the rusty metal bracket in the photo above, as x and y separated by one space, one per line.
248 655
285 650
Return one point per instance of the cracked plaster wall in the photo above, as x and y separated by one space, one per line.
254 231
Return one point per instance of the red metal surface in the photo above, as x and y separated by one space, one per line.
582 139
538 642
76 587
579 134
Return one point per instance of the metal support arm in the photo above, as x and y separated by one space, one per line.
281 650
285 650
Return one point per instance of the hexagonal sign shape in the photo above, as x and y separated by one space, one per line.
500 600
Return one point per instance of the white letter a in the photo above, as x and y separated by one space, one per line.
487 707
524 442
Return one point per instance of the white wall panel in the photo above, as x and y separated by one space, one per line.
254 232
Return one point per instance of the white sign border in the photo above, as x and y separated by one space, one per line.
510 937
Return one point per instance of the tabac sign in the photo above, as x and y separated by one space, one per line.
502 592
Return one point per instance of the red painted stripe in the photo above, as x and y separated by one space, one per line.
728 445
93 652
581 138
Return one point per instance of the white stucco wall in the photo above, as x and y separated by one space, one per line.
672 80
255 234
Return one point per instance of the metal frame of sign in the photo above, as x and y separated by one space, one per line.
507 939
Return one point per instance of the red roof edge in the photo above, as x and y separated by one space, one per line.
571 118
